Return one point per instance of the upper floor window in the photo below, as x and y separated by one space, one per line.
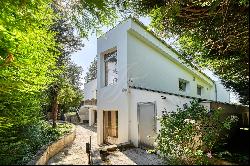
199 90
110 62
182 85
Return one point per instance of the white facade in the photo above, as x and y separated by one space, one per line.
90 90
87 111
145 62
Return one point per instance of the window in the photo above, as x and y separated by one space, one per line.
199 89
111 74
182 85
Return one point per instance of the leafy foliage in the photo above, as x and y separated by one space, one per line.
190 135
64 93
88 15
33 58
25 58
30 139
92 73
212 33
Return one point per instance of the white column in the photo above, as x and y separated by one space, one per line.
90 117
99 127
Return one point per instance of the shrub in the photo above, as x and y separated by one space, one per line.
189 135
31 137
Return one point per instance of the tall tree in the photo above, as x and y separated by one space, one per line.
92 71
77 19
68 42
25 59
211 33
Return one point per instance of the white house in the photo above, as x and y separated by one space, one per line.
88 111
138 77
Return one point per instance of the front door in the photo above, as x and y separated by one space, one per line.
110 127
146 124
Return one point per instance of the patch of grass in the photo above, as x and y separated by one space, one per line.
64 128
70 113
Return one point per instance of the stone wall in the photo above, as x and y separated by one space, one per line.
48 151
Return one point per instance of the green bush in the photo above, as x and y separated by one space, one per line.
21 149
189 135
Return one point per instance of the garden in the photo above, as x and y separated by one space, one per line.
198 136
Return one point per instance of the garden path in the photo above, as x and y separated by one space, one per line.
75 154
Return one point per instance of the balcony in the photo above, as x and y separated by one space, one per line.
90 102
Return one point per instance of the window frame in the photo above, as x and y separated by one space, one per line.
186 84
201 87
105 57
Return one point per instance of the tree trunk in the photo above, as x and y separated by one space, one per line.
54 109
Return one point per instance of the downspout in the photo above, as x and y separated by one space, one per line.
215 88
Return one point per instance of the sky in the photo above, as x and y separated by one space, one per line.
86 55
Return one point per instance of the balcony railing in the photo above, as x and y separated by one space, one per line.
90 102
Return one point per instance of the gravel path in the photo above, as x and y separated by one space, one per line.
134 156
75 154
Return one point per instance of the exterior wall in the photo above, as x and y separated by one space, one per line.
151 67
112 97
169 104
92 116
222 94
84 113
90 90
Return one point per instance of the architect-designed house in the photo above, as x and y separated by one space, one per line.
138 77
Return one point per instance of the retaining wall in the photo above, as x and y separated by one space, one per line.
48 151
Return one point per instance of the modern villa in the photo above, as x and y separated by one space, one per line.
138 77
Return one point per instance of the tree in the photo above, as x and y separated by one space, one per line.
83 16
67 75
88 16
92 71
211 33
26 45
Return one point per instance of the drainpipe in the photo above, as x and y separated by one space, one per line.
215 87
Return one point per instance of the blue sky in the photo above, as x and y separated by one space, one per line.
87 54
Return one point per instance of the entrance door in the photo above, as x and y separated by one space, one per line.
146 124
110 127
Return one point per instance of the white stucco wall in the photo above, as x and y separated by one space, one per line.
112 97
169 104
223 95
90 90
150 67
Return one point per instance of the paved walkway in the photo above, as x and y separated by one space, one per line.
75 154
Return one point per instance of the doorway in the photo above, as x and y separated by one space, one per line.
146 117
110 127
